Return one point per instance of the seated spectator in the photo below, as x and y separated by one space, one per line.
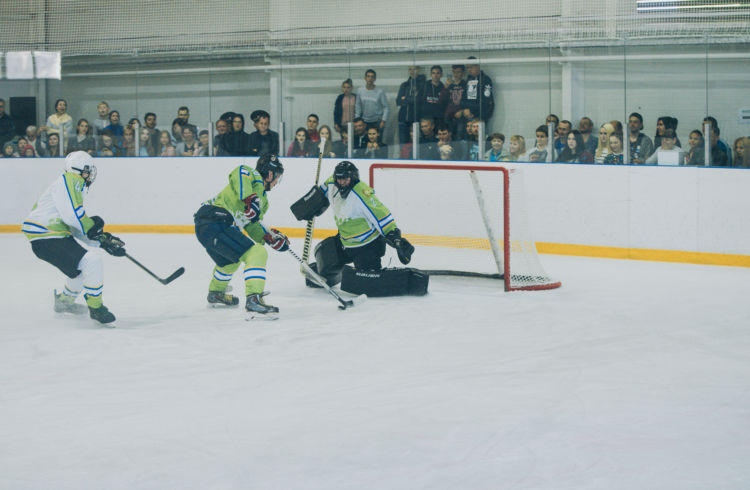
107 145
344 107
697 149
641 146
7 125
615 155
149 121
145 144
301 146
575 150
719 156
53 142
617 125
127 148
189 145
359 138
203 143
375 148
83 140
458 149
237 142
602 150
539 152
428 148
721 144
517 147
586 126
166 148
325 132
561 140
312 128
552 118
222 127
27 152
665 122
60 122
102 118
341 147
472 139
177 125
496 153
407 149
183 114
9 150
741 149
447 152
33 138
668 151
262 141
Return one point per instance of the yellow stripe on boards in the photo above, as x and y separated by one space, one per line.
704 258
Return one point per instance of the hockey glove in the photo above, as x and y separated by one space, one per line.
252 208
95 231
111 244
277 240
404 249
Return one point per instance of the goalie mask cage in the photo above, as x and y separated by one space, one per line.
472 210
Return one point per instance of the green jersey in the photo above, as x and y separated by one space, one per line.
243 182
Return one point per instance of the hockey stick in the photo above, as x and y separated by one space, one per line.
166 281
320 281
311 223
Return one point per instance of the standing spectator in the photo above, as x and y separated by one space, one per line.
345 106
102 117
371 104
430 104
615 155
341 147
40 147
183 113
451 97
602 150
54 145
189 145
7 125
375 148
517 147
720 144
166 148
312 128
428 147
562 137
327 150
60 122
83 140
539 152
262 141
409 95
586 126
496 153
641 145
696 149
359 138
301 146
222 127
478 100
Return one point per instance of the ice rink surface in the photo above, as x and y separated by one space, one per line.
633 375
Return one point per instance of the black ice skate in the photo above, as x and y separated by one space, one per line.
102 315
257 309
221 298
67 305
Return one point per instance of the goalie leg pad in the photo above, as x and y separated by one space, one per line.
385 282
330 259
63 253
312 204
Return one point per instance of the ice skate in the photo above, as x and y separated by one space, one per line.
66 304
258 310
102 315
221 298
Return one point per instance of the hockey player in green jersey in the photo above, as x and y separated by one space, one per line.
364 225
219 225
57 226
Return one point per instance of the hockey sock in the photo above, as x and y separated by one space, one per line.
222 276
255 269
92 278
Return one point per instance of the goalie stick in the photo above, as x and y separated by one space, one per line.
311 223
320 281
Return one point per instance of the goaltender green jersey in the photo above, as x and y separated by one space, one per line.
59 212
360 217
243 182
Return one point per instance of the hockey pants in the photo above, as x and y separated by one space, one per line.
331 256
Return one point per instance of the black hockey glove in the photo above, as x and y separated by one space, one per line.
96 230
277 240
111 244
404 249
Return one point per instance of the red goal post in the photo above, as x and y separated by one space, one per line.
501 211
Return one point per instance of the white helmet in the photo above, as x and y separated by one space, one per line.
81 163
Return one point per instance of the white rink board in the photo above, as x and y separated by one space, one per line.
669 208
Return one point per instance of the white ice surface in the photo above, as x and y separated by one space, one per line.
633 375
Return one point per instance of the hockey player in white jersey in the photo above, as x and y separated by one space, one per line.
58 226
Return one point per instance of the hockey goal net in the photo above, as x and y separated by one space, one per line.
474 223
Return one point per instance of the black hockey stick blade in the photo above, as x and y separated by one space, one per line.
316 278
166 281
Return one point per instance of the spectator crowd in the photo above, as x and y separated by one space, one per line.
450 117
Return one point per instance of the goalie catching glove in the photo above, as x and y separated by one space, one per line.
111 244
404 249
252 208
277 240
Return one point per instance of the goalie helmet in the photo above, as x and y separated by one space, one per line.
345 170
80 162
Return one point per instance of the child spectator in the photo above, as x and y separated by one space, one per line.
83 140
166 148
9 151
145 147
496 153
53 140
202 150
615 155
107 145
539 152
189 145
301 146
344 107
374 149
664 154
341 147
696 151
575 149
517 147
665 122
741 149
128 141
325 132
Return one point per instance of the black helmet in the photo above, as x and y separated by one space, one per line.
344 170
269 163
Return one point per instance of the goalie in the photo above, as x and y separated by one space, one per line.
365 226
